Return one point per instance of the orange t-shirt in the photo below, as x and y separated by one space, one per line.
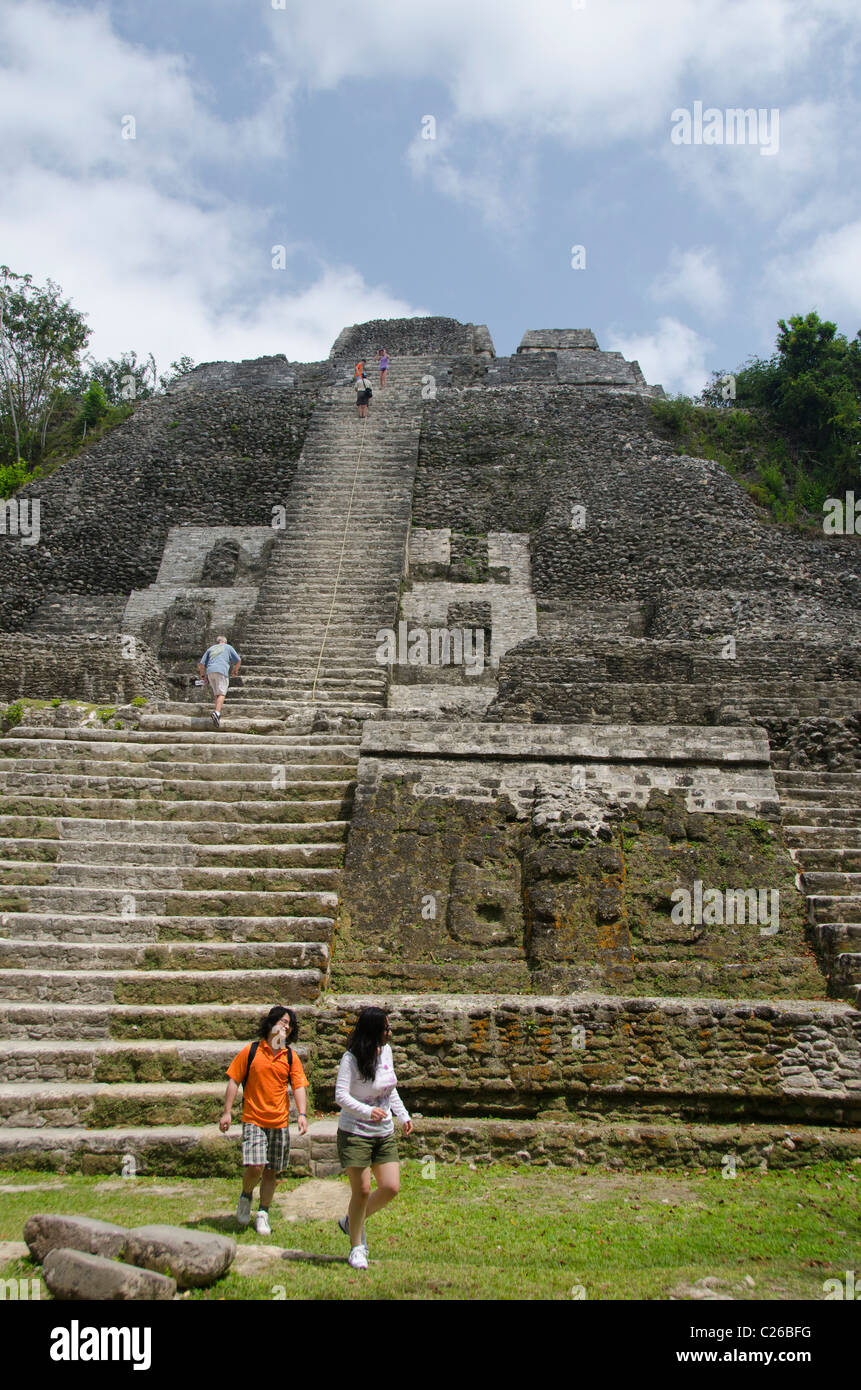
264 1100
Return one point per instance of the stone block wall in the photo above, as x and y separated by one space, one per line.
667 1058
413 337
98 670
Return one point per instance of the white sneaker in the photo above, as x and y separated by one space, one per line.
243 1210
358 1257
261 1224
344 1225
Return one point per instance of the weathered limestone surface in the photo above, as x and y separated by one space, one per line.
95 669
209 458
520 837
47 1231
74 1276
194 1259
599 1056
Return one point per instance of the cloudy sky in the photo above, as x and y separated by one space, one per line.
304 124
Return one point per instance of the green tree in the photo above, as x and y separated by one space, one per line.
41 337
810 390
94 405
124 379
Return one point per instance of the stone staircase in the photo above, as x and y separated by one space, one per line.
157 889
160 887
822 823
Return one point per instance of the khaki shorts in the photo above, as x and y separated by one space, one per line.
217 683
362 1151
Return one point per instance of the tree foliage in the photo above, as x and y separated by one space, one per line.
41 337
810 390
52 393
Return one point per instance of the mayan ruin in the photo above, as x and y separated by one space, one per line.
490 850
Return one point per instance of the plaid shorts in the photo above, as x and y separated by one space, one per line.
271 1147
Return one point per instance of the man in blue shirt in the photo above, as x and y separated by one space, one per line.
218 663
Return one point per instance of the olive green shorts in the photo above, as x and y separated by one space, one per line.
362 1151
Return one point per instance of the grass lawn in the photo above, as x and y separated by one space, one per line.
504 1233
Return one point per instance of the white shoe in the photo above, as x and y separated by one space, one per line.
344 1225
261 1224
358 1257
243 1210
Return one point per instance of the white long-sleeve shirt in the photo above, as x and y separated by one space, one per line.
357 1097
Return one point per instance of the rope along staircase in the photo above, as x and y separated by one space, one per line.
161 886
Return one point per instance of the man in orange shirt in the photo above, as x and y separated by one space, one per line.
266 1109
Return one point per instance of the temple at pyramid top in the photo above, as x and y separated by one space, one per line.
558 340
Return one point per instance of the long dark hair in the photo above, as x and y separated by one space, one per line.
268 1021
367 1038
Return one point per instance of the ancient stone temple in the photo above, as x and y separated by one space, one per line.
546 738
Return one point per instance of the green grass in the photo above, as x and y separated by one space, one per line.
504 1233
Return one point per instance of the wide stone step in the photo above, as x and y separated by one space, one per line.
284 675
198 744
265 723
29 1020
825 907
812 837
28 1062
287 687
142 810
159 986
168 902
199 1150
827 860
790 778
105 853
85 927
828 817
820 795
235 756
71 770
830 882
96 1106
164 790
47 954
131 878
204 834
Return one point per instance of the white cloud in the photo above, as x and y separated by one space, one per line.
737 180
824 274
610 70
694 277
491 178
162 275
673 355
127 228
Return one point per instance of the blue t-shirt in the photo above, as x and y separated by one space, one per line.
220 658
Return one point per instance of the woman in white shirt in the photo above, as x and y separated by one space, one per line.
366 1091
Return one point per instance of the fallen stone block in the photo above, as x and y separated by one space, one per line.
76 1275
193 1258
45 1232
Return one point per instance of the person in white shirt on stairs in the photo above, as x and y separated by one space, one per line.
366 1091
